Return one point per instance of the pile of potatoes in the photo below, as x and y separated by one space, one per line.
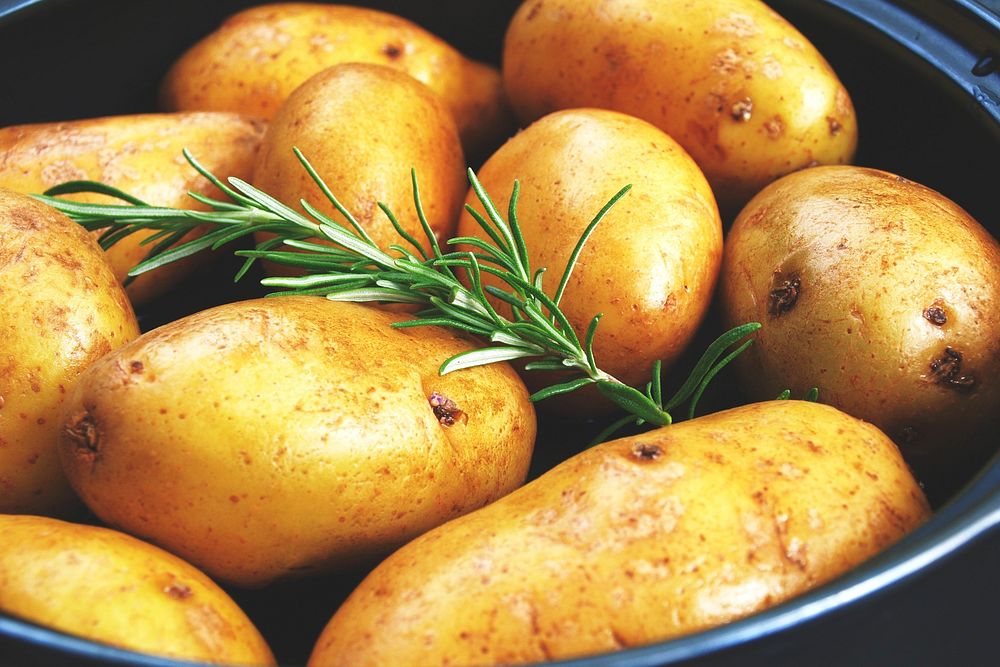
276 439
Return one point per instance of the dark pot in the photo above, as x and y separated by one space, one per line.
925 77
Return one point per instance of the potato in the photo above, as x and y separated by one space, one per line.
363 127
880 292
253 62
113 589
637 540
651 264
279 437
60 310
140 155
738 87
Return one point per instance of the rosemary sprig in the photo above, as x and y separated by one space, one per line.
355 268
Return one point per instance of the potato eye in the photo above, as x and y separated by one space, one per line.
936 315
782 299
947 370
446 410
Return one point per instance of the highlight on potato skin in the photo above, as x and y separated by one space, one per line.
730 80
113 589
61 309
638 540
882 293
285 437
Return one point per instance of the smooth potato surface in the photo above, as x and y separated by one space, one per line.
114 589
363 128
650 266
281 437
60 310
637 540
140 155
254 61
735 84
880 292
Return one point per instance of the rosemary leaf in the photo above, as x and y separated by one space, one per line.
562 388
634 402
704 365
712 373
76 187
374 294
483 356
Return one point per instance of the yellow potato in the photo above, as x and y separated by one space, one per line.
743 91
637 540
880 292
651 264
113 589
363 127
60 310
254 61
140 155
281 437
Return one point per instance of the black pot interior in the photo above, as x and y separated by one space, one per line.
77 59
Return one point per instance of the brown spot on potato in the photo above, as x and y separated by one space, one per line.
936 315
178 591
1 402
946 370
136 367
783 298
742 110
834 125
615 56
446 410
392 51
647 452
775 127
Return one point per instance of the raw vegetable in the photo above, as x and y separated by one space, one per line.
61 308
885 295
649 268
278 438
730 80
114 589
638 540
140 154
258 56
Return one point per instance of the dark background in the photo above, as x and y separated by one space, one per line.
931 121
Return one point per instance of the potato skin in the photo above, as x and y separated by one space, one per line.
651 264
891 275
140 155
735 84
637 540
280 437
254 61
363 128
60 310
111 588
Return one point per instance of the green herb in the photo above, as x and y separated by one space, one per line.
356 269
